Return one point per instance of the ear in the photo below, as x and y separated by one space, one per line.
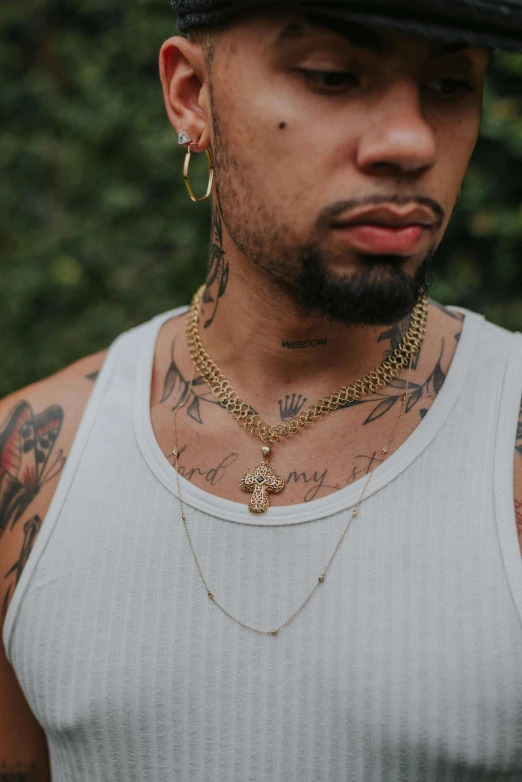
184 77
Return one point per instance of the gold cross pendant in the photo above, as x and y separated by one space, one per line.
261 481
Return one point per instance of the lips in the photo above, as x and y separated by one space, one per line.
386 231
383 240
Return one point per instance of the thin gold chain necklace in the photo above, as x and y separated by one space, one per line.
351 515
262 480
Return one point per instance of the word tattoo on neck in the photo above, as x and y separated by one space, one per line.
304 343
218 269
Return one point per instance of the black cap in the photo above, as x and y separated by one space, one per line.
488 23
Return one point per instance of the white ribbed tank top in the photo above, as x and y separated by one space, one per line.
406 664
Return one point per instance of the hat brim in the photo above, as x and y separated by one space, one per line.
443 30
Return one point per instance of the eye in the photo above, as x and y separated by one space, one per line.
329 81
453 86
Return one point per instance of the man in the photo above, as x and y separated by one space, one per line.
339 136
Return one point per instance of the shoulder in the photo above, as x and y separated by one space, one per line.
38 425
496 338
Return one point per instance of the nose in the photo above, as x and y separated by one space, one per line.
397 138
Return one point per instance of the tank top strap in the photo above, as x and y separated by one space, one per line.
507 431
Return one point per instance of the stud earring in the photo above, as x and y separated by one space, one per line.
183 138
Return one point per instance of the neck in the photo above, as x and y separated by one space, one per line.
267 346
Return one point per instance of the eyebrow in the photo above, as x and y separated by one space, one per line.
356 34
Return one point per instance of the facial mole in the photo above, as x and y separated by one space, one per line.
282 125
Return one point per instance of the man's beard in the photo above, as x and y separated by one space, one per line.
378 293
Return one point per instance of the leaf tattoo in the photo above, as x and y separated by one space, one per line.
175 391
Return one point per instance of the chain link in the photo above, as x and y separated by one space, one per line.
250 420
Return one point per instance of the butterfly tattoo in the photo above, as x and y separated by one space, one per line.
27 458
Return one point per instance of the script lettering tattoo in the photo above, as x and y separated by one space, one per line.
21 773
306 343
358 472
176 387
291 406
218 269
27 458
317 481
212 475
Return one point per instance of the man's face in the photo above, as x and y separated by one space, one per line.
316 121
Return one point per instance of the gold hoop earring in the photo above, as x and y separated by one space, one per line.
210 176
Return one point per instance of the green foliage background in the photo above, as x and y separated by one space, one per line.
97 233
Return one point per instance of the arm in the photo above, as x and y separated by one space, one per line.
37 428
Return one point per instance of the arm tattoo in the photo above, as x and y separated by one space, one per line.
518 515
518 446
218 269
31 530
27 461
92 376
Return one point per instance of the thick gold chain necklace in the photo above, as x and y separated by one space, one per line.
262 480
